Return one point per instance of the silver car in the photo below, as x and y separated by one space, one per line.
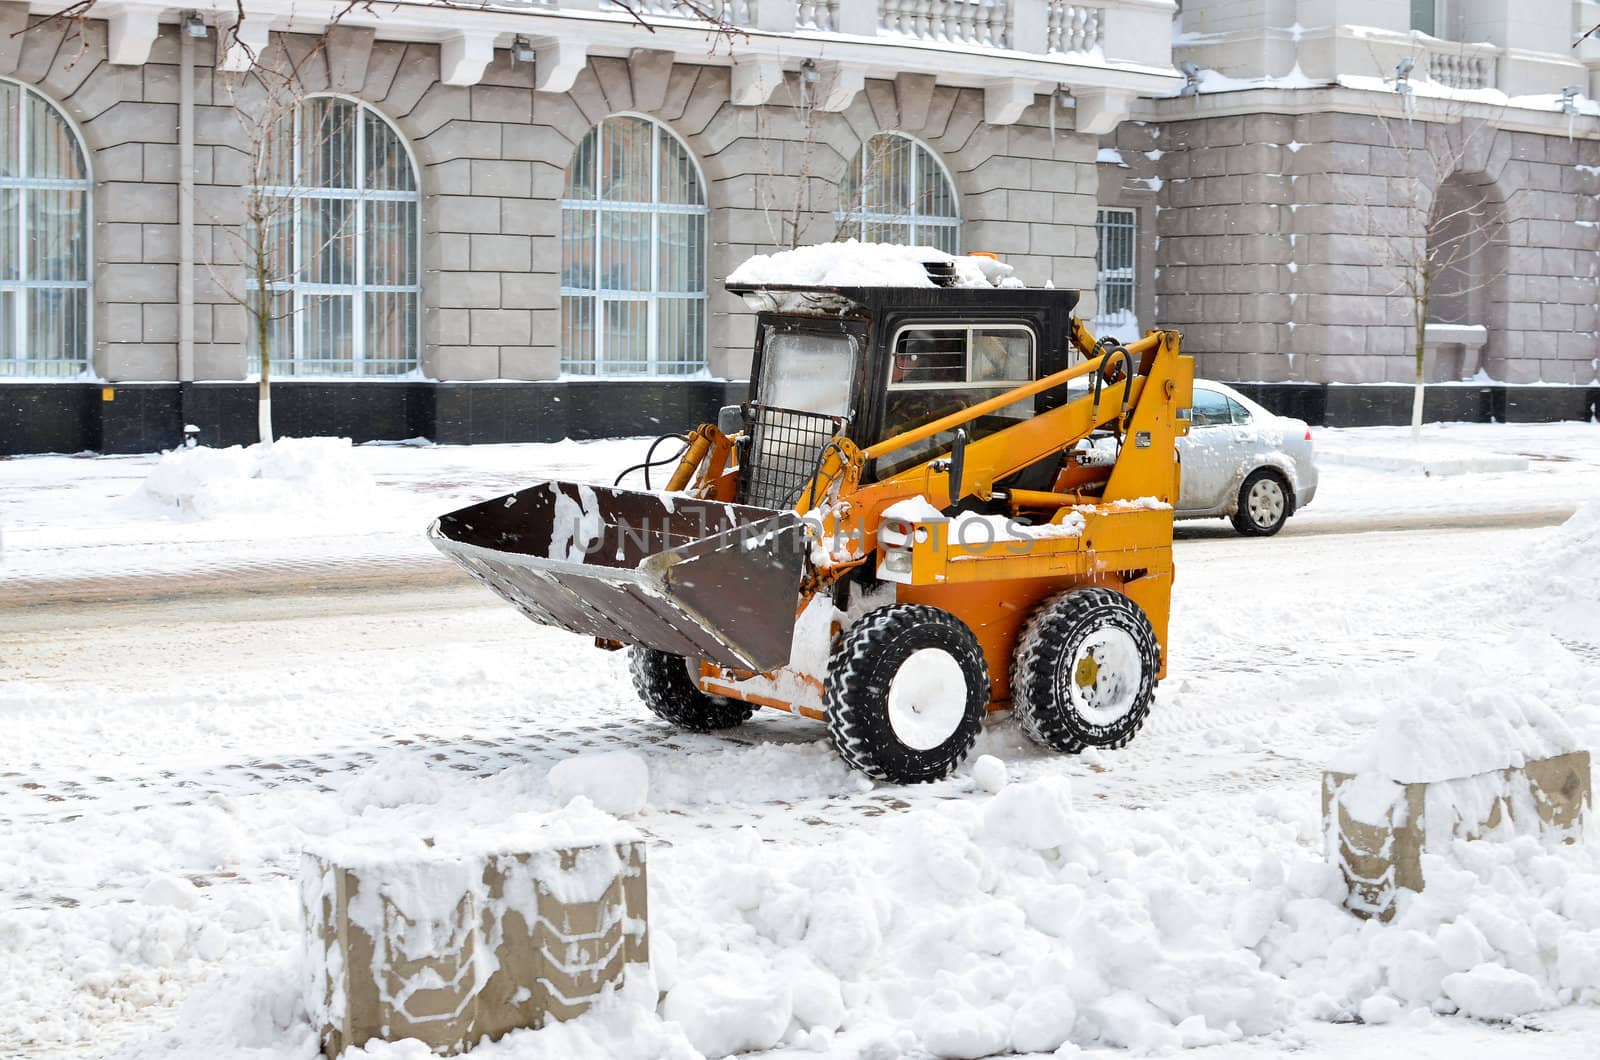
1243 463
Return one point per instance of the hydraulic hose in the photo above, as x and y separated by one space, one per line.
650 460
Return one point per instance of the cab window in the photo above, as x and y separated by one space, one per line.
1239 413
940 369
807 371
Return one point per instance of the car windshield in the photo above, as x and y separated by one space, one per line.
807 371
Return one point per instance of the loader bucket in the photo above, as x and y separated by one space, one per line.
696 578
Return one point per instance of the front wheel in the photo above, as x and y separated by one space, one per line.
665 684
1263 504
1084 673
906 690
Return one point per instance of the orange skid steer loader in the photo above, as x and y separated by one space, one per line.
928 509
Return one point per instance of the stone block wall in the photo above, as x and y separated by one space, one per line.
1375 831
452 948
127 123
491 161
1283 242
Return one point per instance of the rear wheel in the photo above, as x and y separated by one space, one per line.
1263 504
1084 673
665 684
906 690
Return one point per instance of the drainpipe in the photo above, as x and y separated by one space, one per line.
185 221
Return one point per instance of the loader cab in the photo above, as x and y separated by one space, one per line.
884 360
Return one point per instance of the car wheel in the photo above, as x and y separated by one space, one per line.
1264 504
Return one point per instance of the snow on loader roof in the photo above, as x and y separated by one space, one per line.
855 264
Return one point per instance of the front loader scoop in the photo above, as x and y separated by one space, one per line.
696 578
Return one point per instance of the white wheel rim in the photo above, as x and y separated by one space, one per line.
1265 502
927 699
1105 676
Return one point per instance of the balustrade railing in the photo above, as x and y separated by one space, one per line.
1072 27
1069 28
736 12
984 23
817 14
1461 69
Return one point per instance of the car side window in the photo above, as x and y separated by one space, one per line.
1210 409
1239 413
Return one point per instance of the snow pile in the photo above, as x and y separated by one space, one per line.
1563 586
1015 922
854 264
291 476
257 1013
1466 718
617 782
398 778
970 929
1502 930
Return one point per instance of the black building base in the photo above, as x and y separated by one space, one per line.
1324 405
146 417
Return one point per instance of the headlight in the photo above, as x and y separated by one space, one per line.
897 561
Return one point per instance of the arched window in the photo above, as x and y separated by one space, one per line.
897 191
342 205
633 254
44 240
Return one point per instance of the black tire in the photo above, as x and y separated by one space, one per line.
1047 669
1265 503
663 682
863 714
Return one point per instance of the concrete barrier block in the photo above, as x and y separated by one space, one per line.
451 948
1376 830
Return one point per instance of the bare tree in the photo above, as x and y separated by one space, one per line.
786 199
1445 250
276 129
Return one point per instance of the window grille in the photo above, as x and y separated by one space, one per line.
897 191
44 240
633 254
938 370
345 244
1116 310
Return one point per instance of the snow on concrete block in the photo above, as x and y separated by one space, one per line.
1376 830
453 947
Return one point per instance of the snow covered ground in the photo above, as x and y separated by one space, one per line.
167 754
80 518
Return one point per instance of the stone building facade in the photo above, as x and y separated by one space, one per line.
494 280
490 139
1284 240
1285 208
